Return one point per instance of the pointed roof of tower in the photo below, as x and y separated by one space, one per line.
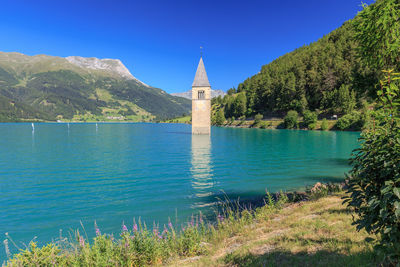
201 78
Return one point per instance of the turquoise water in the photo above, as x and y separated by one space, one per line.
56 176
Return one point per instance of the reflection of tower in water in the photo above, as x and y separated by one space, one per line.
202 180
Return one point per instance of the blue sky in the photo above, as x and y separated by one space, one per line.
159 41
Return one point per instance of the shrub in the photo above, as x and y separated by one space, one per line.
257 119
290 121
324 125
310 118
374 181
312 126
48 255
352 121
242 119
264 125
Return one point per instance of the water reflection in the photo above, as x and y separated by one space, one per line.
202 179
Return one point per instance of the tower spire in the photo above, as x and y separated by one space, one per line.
201 79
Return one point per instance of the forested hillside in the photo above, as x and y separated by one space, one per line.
11 111
326 76
49 88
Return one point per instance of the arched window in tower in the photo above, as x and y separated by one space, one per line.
201 95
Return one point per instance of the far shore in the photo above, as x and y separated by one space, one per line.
275 123
248 123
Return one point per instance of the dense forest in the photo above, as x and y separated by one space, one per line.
327 76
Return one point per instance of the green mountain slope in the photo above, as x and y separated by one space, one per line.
14 111
50 88
326 75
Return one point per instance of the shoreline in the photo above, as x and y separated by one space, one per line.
268 229
248 124
266 125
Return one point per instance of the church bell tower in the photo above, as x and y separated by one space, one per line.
201 101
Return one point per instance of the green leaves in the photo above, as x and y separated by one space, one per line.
309 118
352 121
397 209
290 120
377 29
374 182
396 191
219 117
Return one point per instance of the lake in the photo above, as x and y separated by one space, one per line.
58 175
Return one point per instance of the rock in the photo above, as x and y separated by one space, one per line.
318 186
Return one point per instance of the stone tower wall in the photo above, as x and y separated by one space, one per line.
201 111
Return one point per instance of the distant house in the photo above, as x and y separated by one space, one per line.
115 118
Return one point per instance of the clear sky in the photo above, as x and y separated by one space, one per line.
159 40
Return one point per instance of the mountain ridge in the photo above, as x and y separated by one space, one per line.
108 64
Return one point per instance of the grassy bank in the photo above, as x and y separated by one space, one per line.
313 233
264 124
185 119
280 233
275 124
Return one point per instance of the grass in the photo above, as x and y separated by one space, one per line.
310 233
264 124
273 124
185 119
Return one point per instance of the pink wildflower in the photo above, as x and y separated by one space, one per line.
97 229
81 241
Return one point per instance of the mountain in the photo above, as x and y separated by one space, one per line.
49 88
188 94
114 66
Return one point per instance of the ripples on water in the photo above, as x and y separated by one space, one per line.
54 175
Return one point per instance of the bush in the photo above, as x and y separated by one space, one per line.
352 121
312 126
242 120
48 255
264 125
257 119
374 182
290 121
324 125
310 118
